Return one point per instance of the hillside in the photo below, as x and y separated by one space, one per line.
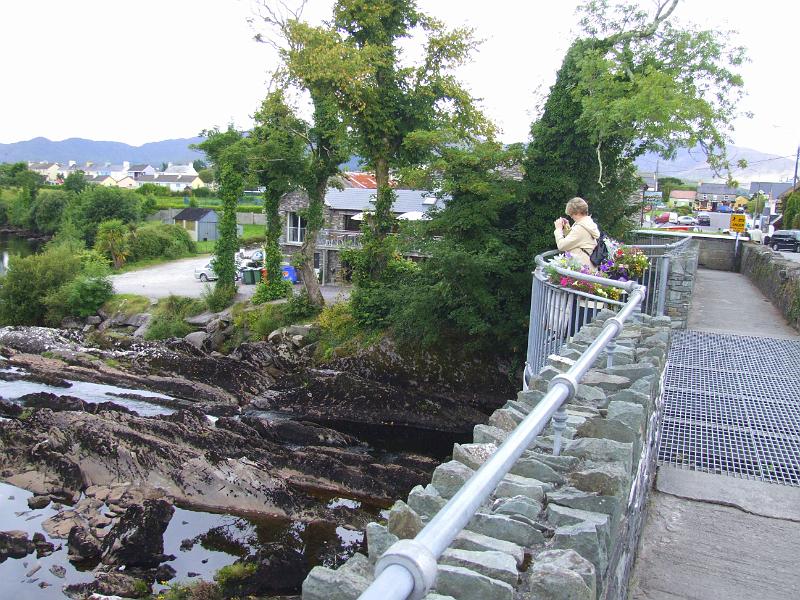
82 150
690 165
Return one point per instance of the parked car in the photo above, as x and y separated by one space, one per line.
785 239
687 220
662 218
704 220
205 273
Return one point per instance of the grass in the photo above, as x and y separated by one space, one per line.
169 317
128 304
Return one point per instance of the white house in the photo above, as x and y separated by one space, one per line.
179 170
175 183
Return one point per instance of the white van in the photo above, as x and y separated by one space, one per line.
673 218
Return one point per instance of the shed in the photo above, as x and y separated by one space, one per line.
201 223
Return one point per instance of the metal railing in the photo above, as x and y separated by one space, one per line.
407 570
558 313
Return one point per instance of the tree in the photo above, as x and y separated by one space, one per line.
98 203
112 240
667 184
228 152
75 182
206 175
395 113
48 209
634 83
791 209
198 165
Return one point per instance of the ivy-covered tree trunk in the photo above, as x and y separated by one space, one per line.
272 235
315 219
231 187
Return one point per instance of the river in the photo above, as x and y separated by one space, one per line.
12 244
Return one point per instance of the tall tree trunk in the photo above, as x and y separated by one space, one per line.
315 220
385 198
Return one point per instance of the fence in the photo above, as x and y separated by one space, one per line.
558 313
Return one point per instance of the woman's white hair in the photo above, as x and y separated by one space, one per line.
577 206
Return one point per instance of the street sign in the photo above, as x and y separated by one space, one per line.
737 223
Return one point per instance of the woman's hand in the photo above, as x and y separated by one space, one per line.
559 223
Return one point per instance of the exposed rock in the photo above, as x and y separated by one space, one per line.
137 538
329 584
9 409
116 584
58 571
581 500
197 339
84 547
15 544
37 502
514 485
526 466
605 381
631 414
473 455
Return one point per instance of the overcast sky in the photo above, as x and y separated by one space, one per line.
150 70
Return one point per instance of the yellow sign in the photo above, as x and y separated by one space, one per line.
737 223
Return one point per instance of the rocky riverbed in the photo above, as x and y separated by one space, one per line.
289 458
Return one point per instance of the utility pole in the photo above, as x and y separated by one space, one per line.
796 160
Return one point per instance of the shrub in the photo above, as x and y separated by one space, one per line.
156 240
267 292
127 304
300 307
169 317
219 297
30 280
201 590
81 297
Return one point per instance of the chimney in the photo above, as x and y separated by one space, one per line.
125 165
71 163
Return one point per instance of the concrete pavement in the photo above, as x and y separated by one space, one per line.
177 277
719 537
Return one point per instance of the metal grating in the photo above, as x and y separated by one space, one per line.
732 406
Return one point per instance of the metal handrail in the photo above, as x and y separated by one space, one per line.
407 570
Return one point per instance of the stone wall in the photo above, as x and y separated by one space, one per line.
680 283
717 252
776 277
556 526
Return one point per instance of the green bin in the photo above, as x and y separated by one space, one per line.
249 276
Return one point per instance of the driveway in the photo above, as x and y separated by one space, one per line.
177 277
795 256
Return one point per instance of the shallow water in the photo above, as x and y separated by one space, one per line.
89 392
218 540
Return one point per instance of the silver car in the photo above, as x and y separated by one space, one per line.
205 273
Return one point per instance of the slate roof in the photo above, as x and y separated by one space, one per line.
358 199
770 188
718 189
137 167
167 178
193 214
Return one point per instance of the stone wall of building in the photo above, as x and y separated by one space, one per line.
776 277
556 526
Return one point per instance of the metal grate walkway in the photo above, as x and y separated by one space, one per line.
732 406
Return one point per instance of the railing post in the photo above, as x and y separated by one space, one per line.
559 425
610 349
662 285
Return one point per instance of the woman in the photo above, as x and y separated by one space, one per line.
581 238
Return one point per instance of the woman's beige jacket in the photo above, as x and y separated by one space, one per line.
580 241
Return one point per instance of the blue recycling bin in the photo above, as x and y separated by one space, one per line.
289 273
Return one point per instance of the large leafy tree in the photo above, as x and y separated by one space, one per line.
634 82
395 111
291 153
228 152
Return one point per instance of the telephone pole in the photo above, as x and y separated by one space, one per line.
796 160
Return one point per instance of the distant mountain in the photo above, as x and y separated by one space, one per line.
82 150
691 165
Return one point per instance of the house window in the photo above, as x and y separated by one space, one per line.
351 224
296 228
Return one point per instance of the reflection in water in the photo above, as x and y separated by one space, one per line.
13 245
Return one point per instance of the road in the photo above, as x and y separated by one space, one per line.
794 256
177 277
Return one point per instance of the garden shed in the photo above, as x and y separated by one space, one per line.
201 223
